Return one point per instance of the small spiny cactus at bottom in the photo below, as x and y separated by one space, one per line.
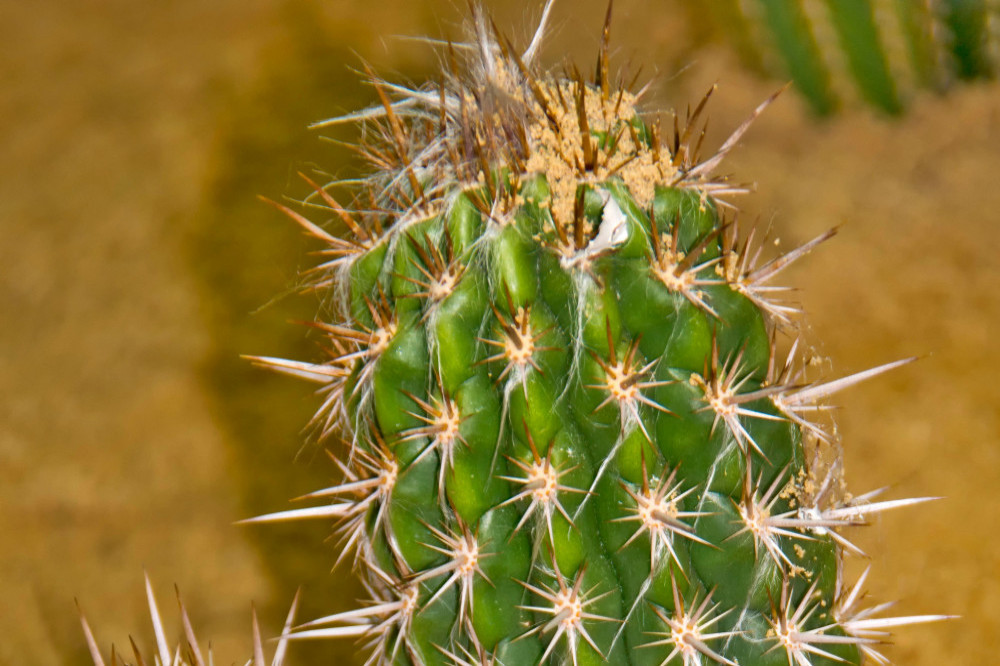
553 360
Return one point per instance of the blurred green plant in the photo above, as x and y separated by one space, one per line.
883 50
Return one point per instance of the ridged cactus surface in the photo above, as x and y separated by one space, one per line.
568 436
878 50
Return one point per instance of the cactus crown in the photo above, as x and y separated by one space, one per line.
568 438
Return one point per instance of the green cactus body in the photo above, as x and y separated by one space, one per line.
568 438
883 50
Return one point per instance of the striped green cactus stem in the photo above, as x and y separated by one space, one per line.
879 50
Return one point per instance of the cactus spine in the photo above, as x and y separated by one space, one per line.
568 438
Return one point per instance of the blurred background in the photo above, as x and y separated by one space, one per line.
136 265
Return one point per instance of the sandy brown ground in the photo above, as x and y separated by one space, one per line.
135 265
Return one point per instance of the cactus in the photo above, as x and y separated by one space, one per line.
553 360
191 650
883 50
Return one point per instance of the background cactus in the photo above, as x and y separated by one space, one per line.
879 51
554 358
